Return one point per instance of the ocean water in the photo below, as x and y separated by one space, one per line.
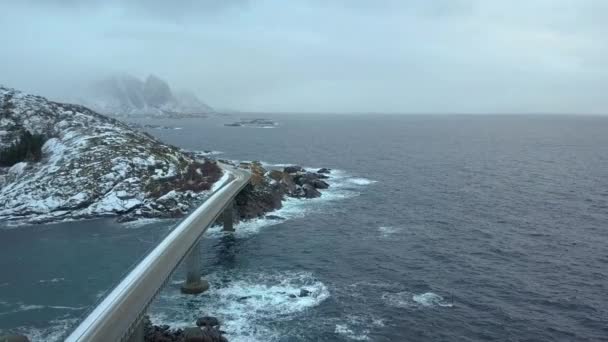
436 228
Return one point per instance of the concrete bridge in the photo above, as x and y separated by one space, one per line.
119 316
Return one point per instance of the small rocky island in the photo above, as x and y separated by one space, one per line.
256 123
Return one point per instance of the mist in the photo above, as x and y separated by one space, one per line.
417 56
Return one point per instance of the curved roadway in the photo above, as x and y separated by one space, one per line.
115 318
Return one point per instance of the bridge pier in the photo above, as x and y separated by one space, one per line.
228 218
194 284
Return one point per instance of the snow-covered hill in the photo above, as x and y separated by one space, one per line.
125 95
92 165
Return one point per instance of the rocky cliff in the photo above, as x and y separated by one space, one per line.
91 165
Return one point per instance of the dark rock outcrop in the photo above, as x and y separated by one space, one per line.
255 201
192 333
207 332
275 175
312 179
207 321
274 217
269 188
288 185
293 169
319 184
310 191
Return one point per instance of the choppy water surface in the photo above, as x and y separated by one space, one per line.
437 228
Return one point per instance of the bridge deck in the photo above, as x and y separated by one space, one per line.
115 318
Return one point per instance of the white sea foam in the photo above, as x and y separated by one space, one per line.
378 322
245 303
29 307
399 299
345 330
361 181
144 222
406 299
386 232
54 280
430 299
357 327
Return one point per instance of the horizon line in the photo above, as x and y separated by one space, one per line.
410 113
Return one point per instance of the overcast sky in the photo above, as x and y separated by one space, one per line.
409 56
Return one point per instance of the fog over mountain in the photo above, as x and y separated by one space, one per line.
126 95
410 56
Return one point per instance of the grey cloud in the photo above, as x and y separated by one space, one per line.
314 55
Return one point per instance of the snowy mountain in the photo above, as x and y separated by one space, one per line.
91 165
125 95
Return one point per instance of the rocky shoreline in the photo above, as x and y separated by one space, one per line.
268 188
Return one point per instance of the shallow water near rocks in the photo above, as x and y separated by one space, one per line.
435 228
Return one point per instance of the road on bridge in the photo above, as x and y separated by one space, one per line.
119 314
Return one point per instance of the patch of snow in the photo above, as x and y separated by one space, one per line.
114 202
169 195
17 169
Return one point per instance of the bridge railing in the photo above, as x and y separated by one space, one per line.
119 315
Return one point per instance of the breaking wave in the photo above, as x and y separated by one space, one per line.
143 222
430 299
357 328
54 280
361 181
21 307
406 299
247 304
343 329
386 232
